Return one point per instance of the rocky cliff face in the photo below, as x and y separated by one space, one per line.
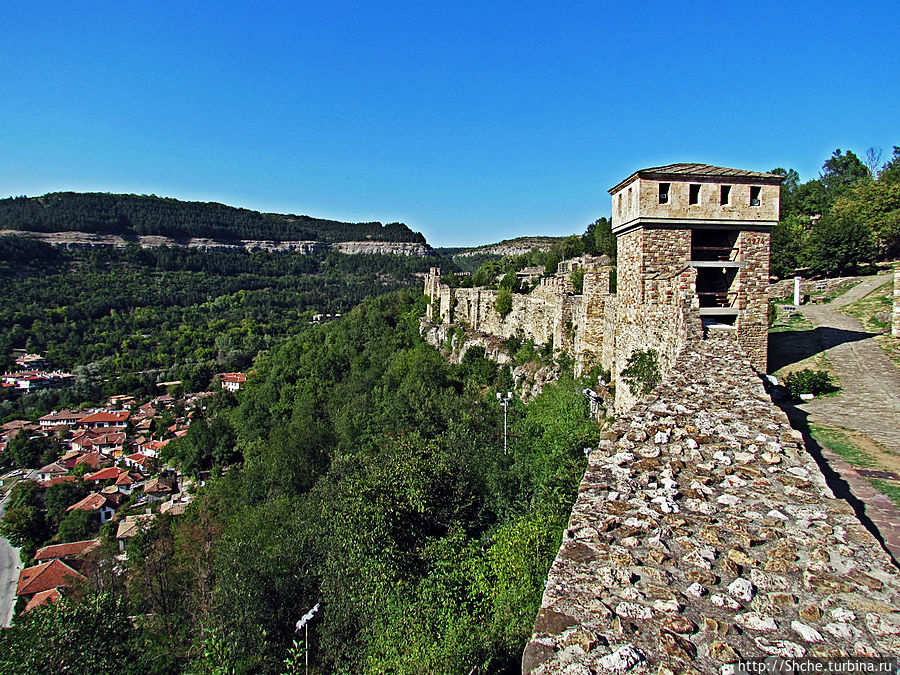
513 246
704 532
86 240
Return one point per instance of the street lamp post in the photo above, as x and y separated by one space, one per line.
304 624
504 404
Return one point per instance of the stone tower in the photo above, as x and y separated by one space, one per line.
694 237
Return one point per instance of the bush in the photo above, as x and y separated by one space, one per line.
503 303
808 381
577 279
641 373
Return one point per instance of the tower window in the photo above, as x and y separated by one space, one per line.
724 195
664 192
630 199
694 195
754 195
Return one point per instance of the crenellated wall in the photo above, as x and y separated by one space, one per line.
704 532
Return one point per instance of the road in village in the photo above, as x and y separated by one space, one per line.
10 565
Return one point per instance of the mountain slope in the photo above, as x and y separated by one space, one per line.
148 215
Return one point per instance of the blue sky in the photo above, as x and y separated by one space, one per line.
471 122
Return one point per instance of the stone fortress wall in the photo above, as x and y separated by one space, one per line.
703 532
550 314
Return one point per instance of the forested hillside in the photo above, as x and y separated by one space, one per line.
131 215
123 319
365 473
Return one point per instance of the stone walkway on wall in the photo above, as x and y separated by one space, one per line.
704 532
869 400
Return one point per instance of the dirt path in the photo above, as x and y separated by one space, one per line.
869 400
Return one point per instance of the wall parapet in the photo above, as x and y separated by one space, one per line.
704 532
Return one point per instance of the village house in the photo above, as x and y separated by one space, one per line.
41 583
67 553
100 504
63 418
30 362
46 473
139 461
105 419
232 381
131 526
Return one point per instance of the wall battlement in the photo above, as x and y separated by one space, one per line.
703 532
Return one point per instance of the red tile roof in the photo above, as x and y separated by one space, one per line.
42 598
45 576
57 480
92 459
65 550
109 473
92 502
124 478
62 415
105 417
53 468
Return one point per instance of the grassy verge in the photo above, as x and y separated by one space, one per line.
887 488
861 453
866 310
785 323
841 443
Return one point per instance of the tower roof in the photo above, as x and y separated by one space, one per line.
688 170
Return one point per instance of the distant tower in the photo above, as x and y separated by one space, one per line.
707 221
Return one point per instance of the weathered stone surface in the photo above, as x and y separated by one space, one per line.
802 577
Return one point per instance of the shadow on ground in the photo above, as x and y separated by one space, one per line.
840 488
793 346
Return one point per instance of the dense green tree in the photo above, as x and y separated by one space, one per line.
59 497
787 242
890 172
131 215
841 172
839 244
78 525
599 238
503 303
91 636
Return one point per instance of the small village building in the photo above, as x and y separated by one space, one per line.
131 526
232 381
47 576
100 504
65 552
104 420
42 598
31 362
51 471
63 418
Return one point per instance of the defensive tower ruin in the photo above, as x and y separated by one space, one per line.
695 235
